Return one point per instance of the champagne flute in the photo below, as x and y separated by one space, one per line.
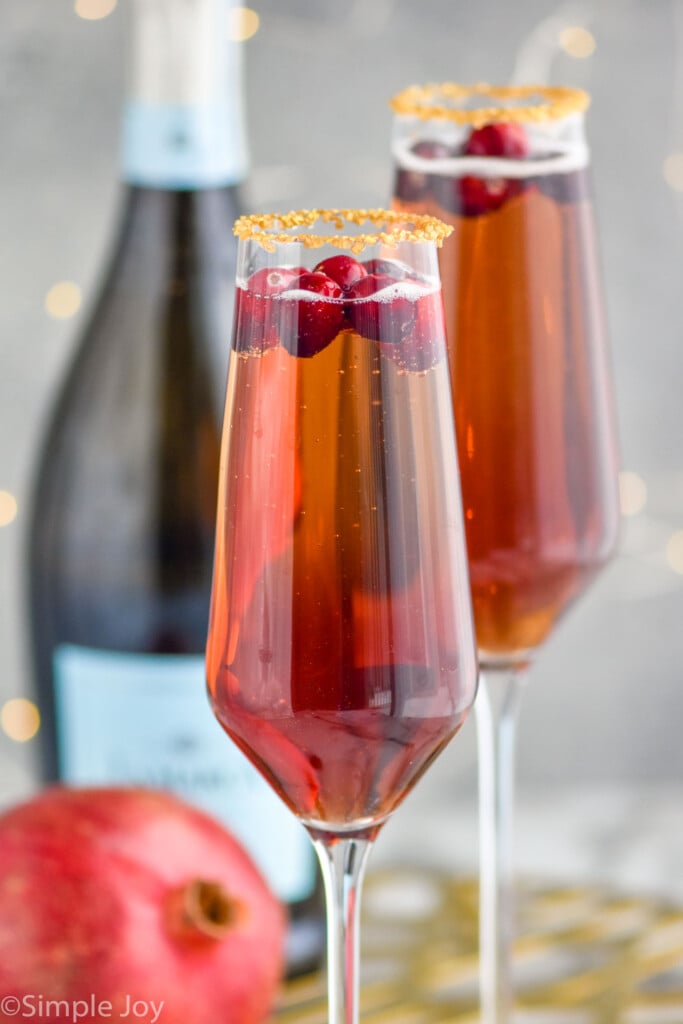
506 167
341 656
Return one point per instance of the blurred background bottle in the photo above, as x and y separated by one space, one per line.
121 540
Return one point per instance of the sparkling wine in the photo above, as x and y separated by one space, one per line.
332 656
506 166
124 511
530 383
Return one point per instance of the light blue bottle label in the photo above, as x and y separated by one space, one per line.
183 147
184 121
130 719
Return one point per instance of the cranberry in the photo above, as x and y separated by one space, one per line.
427 344
424 345
273 280
506 140
255 315
342 268
482 195
390 268
254 330
385 319
313 323
432 149
369 285
315 281
412 185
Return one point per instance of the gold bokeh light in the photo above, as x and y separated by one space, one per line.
578 42
674 551
63 300
8 508
20 719
243 24
673 171
632 493
94 10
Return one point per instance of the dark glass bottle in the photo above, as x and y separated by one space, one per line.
121 541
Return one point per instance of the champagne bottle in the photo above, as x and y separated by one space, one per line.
121 540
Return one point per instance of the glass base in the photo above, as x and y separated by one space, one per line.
582 956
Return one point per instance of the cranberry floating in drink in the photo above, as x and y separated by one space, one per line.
506 168
341 655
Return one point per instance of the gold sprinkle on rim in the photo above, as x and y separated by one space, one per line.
271 229
444 102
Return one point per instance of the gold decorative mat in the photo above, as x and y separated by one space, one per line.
582 956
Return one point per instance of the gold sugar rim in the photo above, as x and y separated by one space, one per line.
269 229
558 101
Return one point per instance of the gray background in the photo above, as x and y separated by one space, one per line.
605 706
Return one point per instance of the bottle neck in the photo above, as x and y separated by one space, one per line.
184 121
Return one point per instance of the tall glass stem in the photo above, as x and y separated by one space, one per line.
342 861
496 710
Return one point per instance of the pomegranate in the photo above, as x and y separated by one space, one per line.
128 904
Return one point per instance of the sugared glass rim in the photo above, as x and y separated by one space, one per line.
271 229
435 101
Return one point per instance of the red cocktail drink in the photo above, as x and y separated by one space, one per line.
341 655
528 365
332 659
507 169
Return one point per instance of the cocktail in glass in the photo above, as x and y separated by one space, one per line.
341 655
507 168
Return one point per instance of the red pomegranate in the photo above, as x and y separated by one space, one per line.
127 904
